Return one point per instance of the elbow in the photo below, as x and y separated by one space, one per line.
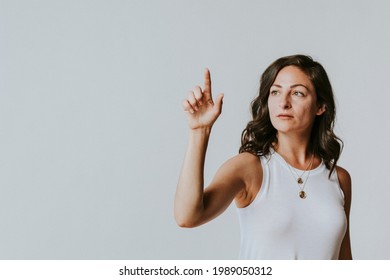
185 222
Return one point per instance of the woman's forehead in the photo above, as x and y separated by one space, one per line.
292 76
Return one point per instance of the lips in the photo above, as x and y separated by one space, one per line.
284 116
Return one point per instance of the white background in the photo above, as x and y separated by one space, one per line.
92 133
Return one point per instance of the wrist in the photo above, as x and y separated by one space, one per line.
201 131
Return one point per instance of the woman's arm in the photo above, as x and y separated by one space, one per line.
346 186
189 191
196 205
193 205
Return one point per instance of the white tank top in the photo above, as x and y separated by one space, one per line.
279 224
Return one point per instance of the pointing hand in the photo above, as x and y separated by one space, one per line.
199 106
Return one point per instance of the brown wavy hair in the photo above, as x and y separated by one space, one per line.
259 136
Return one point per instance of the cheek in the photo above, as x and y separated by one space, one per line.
309 112
272 112
271 106
314 109
309 107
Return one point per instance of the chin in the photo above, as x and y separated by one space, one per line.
285 129
282 127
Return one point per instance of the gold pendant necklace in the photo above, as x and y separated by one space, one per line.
302 194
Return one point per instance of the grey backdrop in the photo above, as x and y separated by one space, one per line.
92 133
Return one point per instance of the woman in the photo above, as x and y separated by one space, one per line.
293 200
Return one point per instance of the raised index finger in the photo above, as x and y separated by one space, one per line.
207 86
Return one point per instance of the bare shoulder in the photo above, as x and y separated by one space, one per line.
246 157
345 181
251 173
242 168
343 175
243 163
345 185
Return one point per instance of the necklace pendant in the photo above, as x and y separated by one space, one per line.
302 194
300 181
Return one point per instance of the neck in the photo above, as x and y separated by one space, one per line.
295 149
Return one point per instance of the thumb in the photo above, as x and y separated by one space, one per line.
218 102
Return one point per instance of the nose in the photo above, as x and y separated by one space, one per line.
285 102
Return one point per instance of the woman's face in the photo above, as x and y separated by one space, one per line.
292 101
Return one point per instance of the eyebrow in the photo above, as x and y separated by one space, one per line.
292 86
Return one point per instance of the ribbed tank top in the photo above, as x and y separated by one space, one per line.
279 224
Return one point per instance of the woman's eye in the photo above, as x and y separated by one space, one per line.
298 93
274 92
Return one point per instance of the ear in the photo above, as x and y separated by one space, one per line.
321 109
